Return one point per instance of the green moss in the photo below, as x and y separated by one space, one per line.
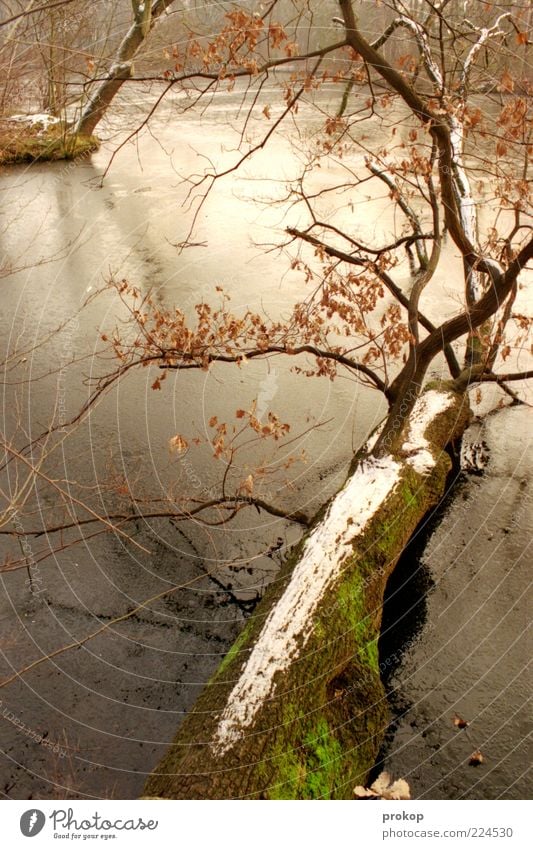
362 577
290 775
29 144
312 771
234 651
369 655
438 385
288 762
324 762
408 495
320 631
474 348
350 599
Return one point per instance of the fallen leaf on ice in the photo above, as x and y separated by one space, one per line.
476 758
361 792
384 788
178 444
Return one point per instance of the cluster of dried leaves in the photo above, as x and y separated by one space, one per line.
385 788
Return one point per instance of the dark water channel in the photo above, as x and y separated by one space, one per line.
94 720
456 636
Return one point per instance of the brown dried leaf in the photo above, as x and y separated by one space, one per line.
507 82
384 788
399 789
361 792
178 444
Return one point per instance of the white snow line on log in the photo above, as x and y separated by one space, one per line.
427 407
423 42
467 204
289 624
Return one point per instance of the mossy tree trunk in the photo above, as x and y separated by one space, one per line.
297 709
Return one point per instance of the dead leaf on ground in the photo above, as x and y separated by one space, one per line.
384 788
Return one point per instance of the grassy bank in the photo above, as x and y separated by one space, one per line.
25 142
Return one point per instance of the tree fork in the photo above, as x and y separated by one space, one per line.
297 708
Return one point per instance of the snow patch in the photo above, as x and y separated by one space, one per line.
120 68
40 118
427 407
288 626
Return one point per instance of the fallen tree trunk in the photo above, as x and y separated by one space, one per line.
297 709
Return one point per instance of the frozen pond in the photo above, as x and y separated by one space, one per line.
93 721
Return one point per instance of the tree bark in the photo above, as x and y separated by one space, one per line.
145 17
297 709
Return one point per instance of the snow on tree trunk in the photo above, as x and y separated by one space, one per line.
297 708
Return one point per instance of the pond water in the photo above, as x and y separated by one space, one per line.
94 720
456 642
